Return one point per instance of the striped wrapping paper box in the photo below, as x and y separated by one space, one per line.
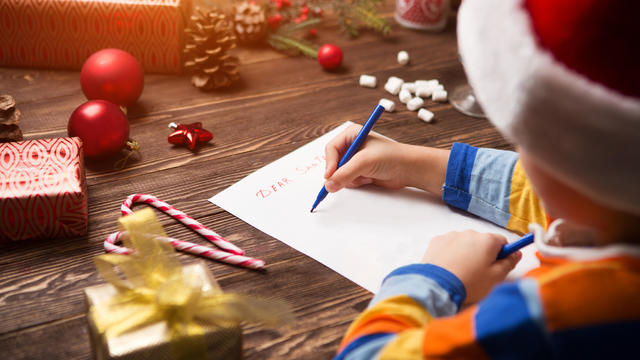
62 34
43 191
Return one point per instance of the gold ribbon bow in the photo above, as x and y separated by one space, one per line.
155 288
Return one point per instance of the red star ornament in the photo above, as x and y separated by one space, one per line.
190 135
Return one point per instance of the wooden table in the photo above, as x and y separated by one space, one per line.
281 104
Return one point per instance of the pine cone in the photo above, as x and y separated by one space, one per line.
9 117
209 38
249 22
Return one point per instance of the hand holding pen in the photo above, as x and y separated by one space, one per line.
471 257
353 148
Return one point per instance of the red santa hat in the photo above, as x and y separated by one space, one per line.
561 78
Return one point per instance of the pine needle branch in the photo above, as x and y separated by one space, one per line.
292 28
292 45
370 18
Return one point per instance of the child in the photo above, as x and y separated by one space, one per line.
561 80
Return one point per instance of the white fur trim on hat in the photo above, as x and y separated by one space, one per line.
584 133
577 253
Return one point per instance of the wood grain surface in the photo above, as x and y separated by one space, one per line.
280 104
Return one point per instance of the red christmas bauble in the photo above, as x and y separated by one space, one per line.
330 56
113 75
102 126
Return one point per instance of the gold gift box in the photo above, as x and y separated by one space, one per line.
152 341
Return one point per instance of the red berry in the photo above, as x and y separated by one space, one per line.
313 32
274 21
304 10
330 56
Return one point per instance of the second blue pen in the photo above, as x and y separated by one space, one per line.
508 249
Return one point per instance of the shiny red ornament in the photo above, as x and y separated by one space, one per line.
113 75
330 56
102 126
189 135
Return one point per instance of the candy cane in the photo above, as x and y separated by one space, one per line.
182 217
205 251
234 256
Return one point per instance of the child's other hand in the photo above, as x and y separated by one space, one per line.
471 256
383 162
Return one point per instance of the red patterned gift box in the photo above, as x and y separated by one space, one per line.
43 192
62 34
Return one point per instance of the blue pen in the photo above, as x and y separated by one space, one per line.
355 145
509 249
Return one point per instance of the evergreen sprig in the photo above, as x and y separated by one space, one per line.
367 12
351 15
354 15
285 39
293 28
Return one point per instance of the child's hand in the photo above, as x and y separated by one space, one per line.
471 256
383 162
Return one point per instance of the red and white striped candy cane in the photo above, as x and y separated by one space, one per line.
208 252
182 217
234 256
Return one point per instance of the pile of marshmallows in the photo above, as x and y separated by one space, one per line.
406 91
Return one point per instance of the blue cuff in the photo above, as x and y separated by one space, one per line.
449 282
455 191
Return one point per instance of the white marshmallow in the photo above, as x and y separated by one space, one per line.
393 85
403 57
405 96
424 91
439 95
387 104
425 115
428 83
427 91
415 103
409 86
369 81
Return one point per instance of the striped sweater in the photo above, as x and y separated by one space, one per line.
580 302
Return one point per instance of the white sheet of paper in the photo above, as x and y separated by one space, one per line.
363 234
